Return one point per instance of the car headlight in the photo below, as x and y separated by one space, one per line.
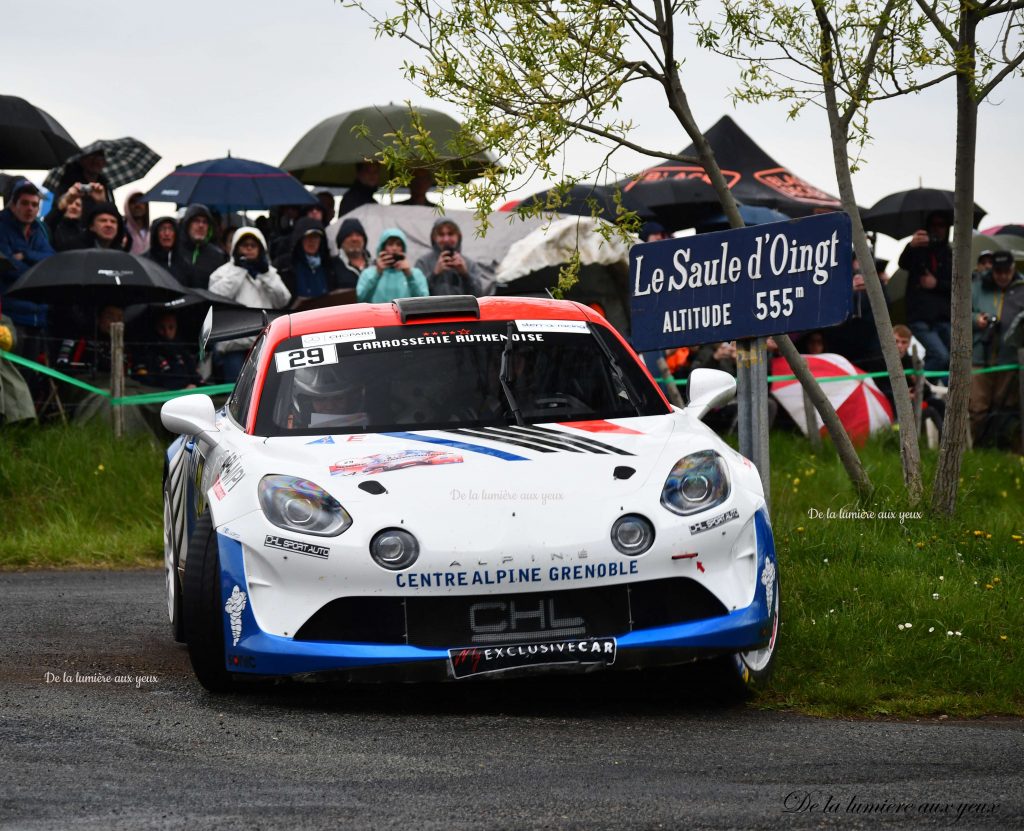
697 482
300 505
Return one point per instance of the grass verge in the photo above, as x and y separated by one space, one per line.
882 615
74 497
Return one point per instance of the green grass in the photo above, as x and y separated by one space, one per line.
847 584
75 497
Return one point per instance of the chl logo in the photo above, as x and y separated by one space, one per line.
522 617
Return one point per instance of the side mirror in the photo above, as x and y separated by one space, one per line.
709 388
189 415
205 332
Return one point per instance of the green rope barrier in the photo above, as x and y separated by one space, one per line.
127 400
931 373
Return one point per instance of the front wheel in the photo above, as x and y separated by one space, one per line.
740 674
204 628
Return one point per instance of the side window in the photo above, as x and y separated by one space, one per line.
241 396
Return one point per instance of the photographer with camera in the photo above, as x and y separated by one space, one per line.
449 272
391 276
997 294
928 259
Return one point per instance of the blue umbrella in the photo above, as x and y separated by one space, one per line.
235 183
752 215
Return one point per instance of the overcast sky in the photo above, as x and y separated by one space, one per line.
195 80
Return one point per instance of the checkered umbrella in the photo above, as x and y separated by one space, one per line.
128 160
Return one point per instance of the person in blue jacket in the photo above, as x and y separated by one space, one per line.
23 243
391 276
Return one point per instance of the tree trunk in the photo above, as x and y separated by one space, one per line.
956 425
844 447
910 451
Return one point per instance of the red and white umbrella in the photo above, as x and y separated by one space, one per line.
860 405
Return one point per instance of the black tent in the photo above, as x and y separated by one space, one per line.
754 177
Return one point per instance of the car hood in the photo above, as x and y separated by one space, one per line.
415 464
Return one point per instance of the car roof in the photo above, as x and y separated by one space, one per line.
358 315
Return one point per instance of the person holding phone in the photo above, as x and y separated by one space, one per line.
448 270
391 276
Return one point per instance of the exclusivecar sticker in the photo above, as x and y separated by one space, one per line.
714 522
768 581
382 462
543 439
476 660
298 546
234 608
339 336
302 358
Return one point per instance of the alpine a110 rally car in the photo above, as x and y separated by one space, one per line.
449 488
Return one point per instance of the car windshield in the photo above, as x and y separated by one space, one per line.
443 376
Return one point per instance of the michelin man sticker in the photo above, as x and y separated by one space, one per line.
768 581
234 608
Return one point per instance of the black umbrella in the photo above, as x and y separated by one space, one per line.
754 177
583 200
675 203
898 215
97 277
31 138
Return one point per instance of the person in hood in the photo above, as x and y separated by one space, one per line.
362 191
136 222
308 269
928 260
391 276
448 270
353 251
104 228
198 251
163 247
87 173
251 280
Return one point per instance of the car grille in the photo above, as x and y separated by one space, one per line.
604 611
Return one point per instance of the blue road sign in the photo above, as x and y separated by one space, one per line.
742 283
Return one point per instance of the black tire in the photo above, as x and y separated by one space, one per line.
201 601
172 581
737 677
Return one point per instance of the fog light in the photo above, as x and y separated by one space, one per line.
394 549
632 535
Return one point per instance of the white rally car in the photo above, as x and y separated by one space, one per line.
450 488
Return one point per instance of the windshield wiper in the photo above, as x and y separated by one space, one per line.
506 353
616 370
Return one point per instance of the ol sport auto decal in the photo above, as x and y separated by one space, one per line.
714 522
234 608
298 546
543 439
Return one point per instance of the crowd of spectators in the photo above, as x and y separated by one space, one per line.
284 261
281 262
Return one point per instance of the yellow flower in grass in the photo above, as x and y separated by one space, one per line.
1002 637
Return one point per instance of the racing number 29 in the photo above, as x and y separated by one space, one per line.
310 356
306 357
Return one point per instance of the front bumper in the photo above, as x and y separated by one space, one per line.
248 649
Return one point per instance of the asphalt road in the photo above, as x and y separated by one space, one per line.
141 745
